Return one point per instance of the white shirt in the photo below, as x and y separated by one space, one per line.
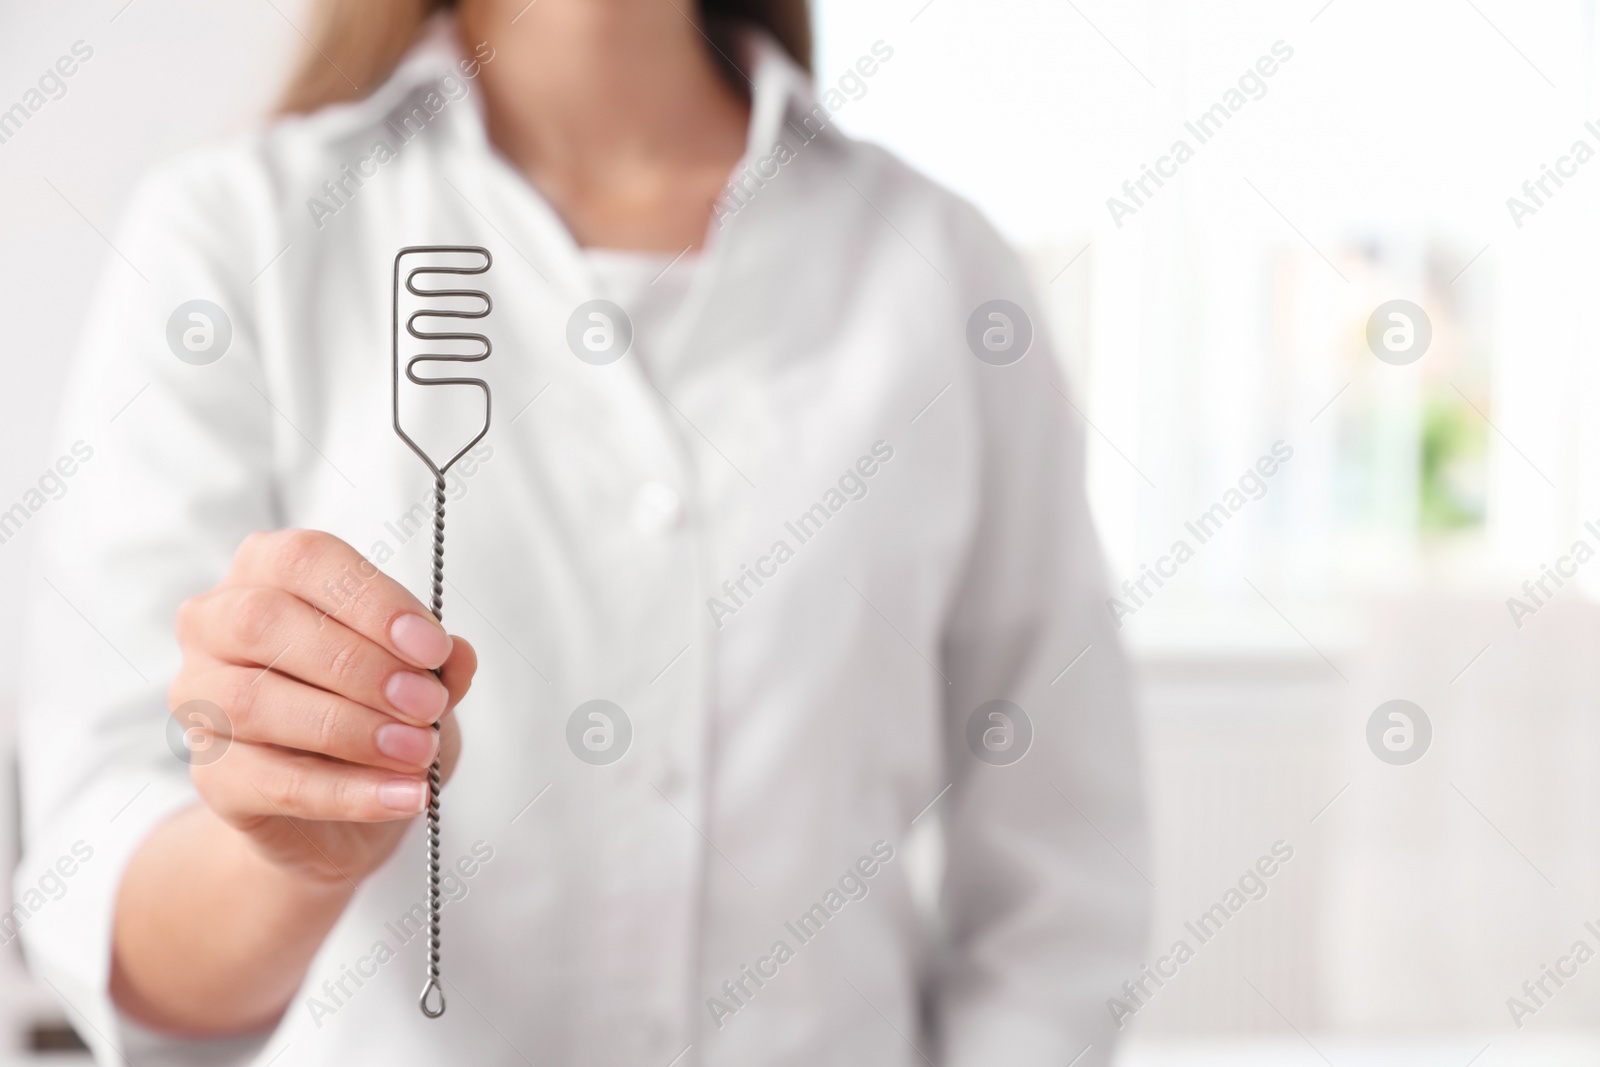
815 390
652 287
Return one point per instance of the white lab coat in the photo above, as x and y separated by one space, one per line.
605 914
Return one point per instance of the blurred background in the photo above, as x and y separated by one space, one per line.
1204 322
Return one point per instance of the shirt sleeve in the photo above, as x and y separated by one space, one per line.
1045 893
165 466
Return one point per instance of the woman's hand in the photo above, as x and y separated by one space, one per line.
322 668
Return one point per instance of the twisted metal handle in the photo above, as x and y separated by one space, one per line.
433 988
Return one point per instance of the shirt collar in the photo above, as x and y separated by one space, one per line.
779 89
780 94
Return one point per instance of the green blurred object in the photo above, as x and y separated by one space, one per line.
1454 476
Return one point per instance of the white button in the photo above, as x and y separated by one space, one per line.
657 508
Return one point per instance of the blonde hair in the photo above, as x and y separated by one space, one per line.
355 44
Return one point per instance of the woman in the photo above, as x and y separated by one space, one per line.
806 505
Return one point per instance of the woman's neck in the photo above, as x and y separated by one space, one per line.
615 109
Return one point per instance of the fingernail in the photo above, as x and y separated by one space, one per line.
420 640
408 744
418 695
403 794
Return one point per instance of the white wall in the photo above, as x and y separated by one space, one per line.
164 74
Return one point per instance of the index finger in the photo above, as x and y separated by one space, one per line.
337 580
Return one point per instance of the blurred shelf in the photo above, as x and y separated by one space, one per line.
1485 1050
1282 632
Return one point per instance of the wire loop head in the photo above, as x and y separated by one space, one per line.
440 305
